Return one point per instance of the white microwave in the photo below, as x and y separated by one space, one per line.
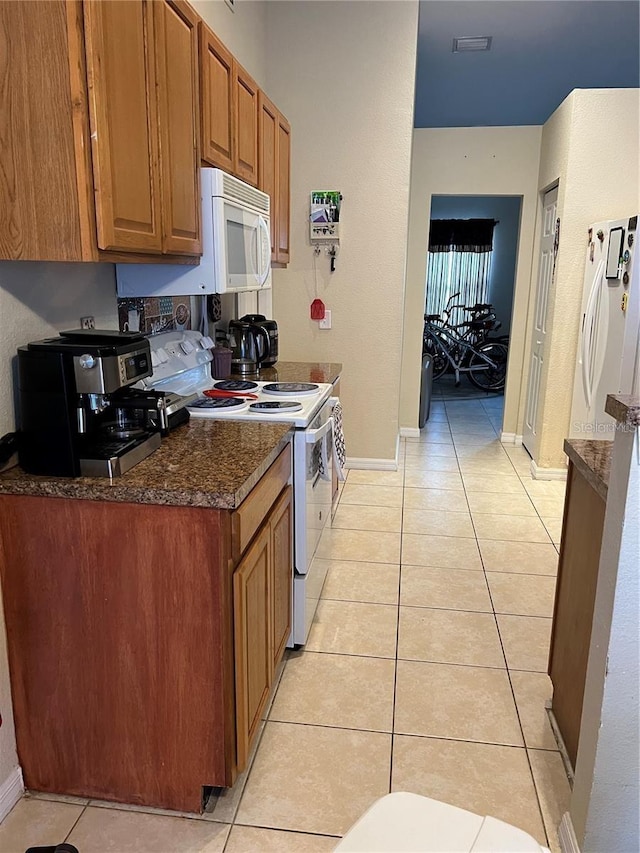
236 246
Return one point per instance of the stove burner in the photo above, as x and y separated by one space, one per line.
219 403
276 406
290 388
235 385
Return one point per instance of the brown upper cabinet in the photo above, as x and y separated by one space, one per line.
274 173
282 211
217 98
268 159
101 131
246 112
176 51
229 111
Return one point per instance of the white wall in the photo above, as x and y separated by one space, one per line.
343 74
241 29
468 161
589 145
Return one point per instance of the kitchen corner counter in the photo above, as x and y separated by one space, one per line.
593 461
624 408
212 464
297 371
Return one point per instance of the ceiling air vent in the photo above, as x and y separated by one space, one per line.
462 45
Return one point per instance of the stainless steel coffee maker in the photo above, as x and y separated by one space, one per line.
79 416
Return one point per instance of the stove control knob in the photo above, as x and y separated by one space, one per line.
206 342
155 361
87 361
186 347
162 356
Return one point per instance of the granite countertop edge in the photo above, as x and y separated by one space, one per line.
118 490
625 408
593 461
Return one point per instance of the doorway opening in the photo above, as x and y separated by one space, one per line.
469 293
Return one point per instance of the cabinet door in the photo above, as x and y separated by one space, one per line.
176 50
268 159
281 573
252 629
124 121
246 106
284 189
578 566
217 101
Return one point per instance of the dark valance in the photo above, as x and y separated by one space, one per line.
461 235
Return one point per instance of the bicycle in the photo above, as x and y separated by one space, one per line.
475 331
485 365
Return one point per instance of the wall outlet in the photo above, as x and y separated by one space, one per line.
87 322
325 323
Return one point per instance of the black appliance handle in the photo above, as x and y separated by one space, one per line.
8 446
262 333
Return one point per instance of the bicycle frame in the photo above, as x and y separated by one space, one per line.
456 345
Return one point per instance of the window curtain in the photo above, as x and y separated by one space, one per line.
461 235
459 261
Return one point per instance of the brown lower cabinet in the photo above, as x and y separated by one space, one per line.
141 649
582 529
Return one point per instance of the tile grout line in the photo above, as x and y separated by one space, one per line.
395 663
68 835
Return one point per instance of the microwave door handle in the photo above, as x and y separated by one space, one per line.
266 237
254 261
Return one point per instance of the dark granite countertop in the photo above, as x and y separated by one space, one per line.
203 463
297 371
593 460
624 408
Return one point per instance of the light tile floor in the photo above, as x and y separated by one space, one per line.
425 669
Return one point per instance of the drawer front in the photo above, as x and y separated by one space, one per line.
246 520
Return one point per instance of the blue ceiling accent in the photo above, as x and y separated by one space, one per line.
541 51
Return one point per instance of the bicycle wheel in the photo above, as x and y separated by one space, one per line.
431 346
440 362
489 377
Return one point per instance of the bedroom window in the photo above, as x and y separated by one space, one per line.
459 261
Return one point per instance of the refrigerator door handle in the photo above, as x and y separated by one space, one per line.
587 335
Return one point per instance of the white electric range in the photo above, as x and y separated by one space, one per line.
181 364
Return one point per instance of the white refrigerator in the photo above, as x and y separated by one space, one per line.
608 358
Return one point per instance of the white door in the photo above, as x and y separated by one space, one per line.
548 250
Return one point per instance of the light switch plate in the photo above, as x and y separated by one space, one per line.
325 323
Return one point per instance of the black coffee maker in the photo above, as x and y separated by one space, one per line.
271 328
79 417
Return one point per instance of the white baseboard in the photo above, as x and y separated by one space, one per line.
362 463
539 473
10 792
409 432
511 438
567 835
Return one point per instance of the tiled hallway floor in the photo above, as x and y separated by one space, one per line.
425 669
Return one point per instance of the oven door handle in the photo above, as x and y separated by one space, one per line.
312 436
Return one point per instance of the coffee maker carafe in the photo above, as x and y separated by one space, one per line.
79 416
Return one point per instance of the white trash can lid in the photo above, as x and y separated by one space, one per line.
409 823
